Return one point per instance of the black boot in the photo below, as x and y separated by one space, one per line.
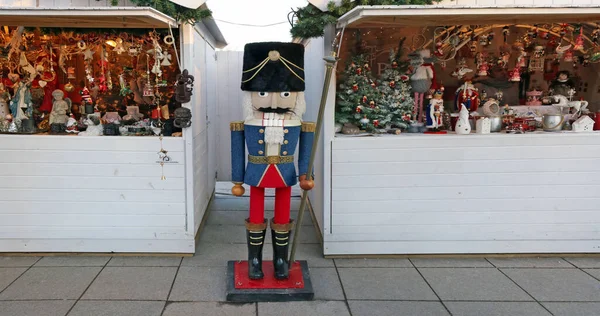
255 237
280 235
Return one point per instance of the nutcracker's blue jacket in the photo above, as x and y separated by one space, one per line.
253 172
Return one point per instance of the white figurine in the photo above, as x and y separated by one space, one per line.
483 126
583 124
94 128
462 126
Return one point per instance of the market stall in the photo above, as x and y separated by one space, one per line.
463 130
104 148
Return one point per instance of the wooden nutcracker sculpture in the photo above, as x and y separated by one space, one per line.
273 81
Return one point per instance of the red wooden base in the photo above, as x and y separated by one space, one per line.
295 281
434 132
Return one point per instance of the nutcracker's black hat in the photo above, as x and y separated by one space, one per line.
273 66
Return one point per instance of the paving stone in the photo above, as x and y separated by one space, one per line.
51 283
210 254
476 284
556 284
594 272
585 262
11 262
396 308
203 284
139 283
73 261
35 308
573 309
310 308
144 262
451 263
326 284
209 309
385 284
7 275
242 203
530 263
373 263
496 309
117 308
230 234
238 217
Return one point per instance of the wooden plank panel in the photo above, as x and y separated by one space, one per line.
75 143
93 220
398 219
453 167
90 170
85 157
470 205
462 233
93 195
488 153
83 207
457 179
464 192
86 182
466 247
473 140
104 245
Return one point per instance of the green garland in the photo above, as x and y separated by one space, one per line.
179 13
311 21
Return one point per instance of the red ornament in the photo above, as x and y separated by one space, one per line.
358 109
364 99
394 65
404 78
392 84
376 123
355 87
372 104
373 84
366 66
358 71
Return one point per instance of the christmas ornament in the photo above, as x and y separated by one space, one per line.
119 49
579 41
376 123
358 71
355 87
515 75
392 84
364 121
69 87
184 87
358 109
394 65
372 104
364 99
88 54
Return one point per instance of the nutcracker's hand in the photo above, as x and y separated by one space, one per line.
238 190
306 185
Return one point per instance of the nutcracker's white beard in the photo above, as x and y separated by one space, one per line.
274 134
296 113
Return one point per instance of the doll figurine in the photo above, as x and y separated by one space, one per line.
60 108
422 79
434 111
21 106
273 103
468 96
562 84
4 99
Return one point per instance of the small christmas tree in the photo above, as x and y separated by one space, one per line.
358 99
397 103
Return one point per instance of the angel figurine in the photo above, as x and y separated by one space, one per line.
60 108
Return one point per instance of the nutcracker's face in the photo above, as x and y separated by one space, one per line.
274 102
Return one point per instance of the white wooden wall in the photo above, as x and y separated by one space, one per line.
519 2
62 3
497 193
199 58
92 194
229 106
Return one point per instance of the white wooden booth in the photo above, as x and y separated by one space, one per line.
105 194
456 194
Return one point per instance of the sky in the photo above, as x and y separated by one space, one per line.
253 12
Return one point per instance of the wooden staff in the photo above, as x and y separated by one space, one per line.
330 62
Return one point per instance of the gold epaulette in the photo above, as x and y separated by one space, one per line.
309 127
236 126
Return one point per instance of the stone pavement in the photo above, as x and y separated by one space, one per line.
153 286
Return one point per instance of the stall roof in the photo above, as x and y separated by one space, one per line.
86 17
433 15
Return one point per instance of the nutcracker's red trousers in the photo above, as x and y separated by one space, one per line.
283 196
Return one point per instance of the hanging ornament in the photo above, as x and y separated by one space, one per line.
373 84
358 109
392 84
394 65
364 99
71 73
69 87
119 49
88 54
166 60
515 75
376 123
372 104
579 41
568 56
355 87
505 33
358 71
366 66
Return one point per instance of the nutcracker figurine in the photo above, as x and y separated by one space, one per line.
273 81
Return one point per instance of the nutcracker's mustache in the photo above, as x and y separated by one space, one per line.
275 110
